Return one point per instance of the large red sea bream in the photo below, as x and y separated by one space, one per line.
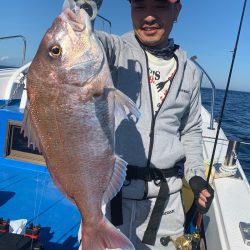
70 118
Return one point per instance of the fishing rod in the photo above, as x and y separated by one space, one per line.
199 218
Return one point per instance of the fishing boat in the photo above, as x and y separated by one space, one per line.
33 207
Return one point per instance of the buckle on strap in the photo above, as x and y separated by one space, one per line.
156 174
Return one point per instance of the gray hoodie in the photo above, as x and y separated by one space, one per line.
174 133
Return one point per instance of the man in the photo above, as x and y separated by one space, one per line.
165 143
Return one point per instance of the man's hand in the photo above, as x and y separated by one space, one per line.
203 193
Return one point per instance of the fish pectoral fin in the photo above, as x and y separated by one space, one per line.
99 88
117 180
90 91
28 130
122 101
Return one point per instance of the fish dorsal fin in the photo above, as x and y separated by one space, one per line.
121 101
28 130
117 179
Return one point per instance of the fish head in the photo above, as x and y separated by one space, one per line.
70 51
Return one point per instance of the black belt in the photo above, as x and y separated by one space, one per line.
147 174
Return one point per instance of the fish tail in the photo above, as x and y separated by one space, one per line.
106 237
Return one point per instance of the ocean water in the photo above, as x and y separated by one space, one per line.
236 119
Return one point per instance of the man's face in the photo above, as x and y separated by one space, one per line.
153 20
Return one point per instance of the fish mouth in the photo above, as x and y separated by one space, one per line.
77 17
78 20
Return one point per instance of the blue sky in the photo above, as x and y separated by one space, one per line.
204 28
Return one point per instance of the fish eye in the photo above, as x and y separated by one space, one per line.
55 51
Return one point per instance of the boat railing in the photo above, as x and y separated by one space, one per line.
24 44
13 77
19 77
107 21
211 126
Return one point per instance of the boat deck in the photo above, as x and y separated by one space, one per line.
27 192
31 195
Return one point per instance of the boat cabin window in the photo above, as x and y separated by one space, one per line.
17 146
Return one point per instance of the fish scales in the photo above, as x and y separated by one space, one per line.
70 118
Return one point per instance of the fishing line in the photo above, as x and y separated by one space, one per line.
36 196
226 91
31 245
35 205
199 221
44 180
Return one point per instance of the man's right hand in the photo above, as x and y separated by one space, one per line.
203 193
90 6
